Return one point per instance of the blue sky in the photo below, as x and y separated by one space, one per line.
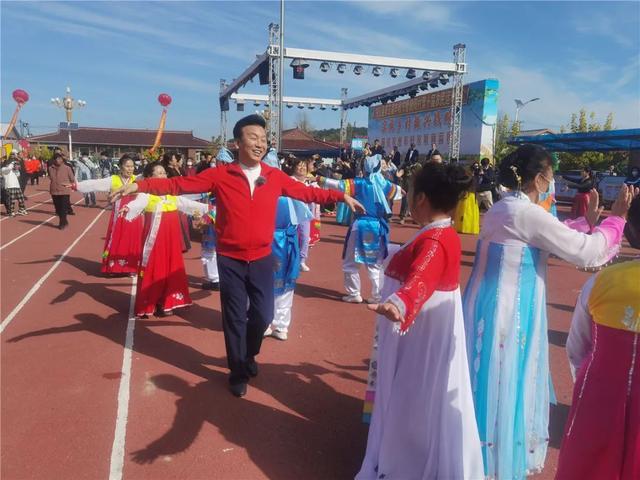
118 56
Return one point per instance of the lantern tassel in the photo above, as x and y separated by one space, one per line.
163 119
12 123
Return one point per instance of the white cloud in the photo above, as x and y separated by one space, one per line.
433 15
616 24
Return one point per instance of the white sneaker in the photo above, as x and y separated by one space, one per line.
304 267
280 335
352 299
23 212
268 332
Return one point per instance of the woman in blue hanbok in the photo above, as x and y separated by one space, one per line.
505 309
286 252
367 240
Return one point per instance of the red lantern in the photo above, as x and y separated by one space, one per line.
164 99
20 96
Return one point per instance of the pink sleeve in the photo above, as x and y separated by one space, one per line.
613 229
578 224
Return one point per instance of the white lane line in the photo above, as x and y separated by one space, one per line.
32 229
33 206
117 450
36 194
39 283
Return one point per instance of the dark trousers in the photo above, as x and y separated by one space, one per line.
243 328
404 206
62 206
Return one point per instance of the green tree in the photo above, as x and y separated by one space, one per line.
504 130
42 152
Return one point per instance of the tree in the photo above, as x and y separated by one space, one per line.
43 153
504 130
578 123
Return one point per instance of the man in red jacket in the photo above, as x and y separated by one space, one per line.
246 194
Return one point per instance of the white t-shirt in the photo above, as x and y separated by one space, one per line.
252 174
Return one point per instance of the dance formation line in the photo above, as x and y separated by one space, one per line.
477 361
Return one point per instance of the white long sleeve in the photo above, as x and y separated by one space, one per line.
579 342
137 205
98 185
189 207
541 229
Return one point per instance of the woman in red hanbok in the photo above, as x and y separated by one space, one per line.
162 281
602 434
122 247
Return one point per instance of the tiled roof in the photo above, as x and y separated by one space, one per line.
298 141
123 137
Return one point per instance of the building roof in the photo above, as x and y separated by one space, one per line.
538 131
12 135
299 142
123 137
603 141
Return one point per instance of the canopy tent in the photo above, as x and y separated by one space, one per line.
603 141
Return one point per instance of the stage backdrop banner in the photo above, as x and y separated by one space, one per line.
426 119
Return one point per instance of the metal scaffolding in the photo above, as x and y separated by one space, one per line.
269 67
456 100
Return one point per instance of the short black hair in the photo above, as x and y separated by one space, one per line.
149 168
443 185
58 155
123 159
436 152
485 161
254 119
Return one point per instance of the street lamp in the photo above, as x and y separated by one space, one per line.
68 103
520 105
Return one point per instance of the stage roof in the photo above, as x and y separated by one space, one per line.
603 141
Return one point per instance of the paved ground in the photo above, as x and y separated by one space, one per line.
77 404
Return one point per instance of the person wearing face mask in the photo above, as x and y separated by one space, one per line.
633 178
190 169
123 246
162 282
505 308
247 193
602 433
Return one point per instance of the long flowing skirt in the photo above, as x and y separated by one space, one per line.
602 434
163 282
123 243
467 217
506 327
423 424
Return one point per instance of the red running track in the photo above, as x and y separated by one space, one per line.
65 411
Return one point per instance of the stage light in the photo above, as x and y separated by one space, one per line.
335 107
376 71
411 73
240 106
325 67
426 75
323 107
385 101
300 106
358 69
256 103
289 105
413 93
298 66
311 107
393 72
424 86
341 68
434 83
444 79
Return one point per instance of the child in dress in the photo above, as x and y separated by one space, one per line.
423 424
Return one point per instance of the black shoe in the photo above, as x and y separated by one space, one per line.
252 368
238 390
211 286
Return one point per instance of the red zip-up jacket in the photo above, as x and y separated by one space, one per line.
244 223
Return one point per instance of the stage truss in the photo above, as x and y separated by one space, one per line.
268 67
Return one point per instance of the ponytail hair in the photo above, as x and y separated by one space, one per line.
443 185
522 165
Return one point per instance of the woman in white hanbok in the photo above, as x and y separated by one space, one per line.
423 424
505 309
